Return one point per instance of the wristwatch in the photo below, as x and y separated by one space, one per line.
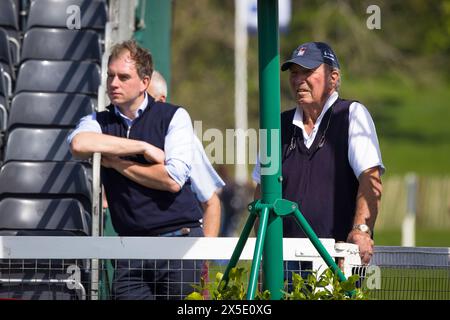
362 227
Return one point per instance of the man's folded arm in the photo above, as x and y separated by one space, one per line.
84 144
152 176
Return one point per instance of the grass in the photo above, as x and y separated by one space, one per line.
411 122
413 284
424 237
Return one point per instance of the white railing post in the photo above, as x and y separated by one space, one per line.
409 221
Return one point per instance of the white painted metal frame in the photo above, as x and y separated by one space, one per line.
157 248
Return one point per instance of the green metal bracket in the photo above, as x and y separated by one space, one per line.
283 207
255 207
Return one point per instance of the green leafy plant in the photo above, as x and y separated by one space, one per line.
324 286
235 290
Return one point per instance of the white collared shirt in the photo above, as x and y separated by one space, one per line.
204 179
137 113
298 120
363 147
178 145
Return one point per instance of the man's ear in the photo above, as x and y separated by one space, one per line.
145 82
334 77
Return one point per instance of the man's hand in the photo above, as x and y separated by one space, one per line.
153 154
365 244
367 204
110 161
153 176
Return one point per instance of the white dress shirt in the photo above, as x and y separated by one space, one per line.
204 179
178 145
363 147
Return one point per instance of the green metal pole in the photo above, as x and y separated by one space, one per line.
269 95
318 245
253 282
239 247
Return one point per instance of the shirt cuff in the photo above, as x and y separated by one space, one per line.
178 171
380 166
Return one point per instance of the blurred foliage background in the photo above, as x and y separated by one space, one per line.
400 73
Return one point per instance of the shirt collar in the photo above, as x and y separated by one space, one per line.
298 116
139 111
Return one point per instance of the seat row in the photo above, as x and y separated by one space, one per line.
49 78
76 14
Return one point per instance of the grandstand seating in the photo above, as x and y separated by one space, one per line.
4 105
3 116
9 14
6 83
94 13
45 180
43 199
39 291
6 60
9 21
57 83
58 76
38 109
40 279
22 215
41 145
61 44
49 79
4 86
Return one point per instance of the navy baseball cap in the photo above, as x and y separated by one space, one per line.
310 55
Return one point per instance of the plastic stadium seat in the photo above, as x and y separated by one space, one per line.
38 233
53 13
61 44
9 14
43 199
36 144
5 84
58 76
40 279
4 106
44 215
9 21
3 115
46 180
49 109
21 291
6 60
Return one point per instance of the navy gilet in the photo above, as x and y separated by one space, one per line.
320 179
137 210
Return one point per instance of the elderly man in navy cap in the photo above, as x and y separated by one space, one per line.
331 159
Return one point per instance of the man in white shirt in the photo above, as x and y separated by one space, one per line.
331 159
204 179
147 154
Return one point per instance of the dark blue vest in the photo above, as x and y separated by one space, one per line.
137 210
320 178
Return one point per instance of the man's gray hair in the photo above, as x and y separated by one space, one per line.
159 84
338 82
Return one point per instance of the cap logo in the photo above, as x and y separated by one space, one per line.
301 51
328 55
